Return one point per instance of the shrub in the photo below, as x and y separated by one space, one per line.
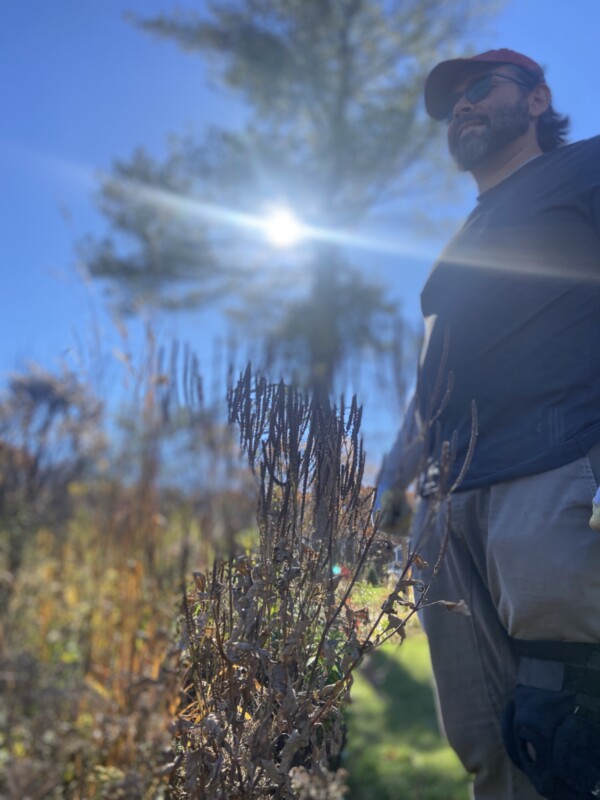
271 637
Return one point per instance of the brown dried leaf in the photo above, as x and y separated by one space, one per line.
200 581
397 625
459 607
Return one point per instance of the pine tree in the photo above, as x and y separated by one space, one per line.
334 130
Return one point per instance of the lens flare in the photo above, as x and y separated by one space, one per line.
282 228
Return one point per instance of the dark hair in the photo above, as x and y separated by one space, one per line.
552 127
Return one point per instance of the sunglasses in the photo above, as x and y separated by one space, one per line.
478 90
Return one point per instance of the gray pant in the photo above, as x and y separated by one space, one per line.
522 556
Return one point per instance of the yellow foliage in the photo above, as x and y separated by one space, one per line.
71 595
19 750
97 686
78 489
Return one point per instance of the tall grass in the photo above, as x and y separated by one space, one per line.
88 641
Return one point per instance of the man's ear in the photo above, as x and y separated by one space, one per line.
540 98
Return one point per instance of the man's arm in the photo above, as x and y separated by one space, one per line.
398 470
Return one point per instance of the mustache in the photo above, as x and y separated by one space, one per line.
465 119
457 124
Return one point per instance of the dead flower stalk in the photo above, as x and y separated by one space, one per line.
271 638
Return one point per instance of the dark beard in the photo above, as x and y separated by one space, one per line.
502 126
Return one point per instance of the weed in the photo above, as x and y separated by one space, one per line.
271 637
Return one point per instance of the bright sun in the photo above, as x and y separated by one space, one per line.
282 228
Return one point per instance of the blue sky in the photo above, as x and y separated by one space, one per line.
79 87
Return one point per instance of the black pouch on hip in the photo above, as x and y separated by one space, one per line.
552 726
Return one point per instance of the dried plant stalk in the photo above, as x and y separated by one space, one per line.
271 637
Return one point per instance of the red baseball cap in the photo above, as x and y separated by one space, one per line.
444 77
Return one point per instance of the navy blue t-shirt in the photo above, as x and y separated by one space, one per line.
516 297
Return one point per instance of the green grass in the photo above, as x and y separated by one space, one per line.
394 750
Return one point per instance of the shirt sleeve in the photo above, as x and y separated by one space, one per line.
400 465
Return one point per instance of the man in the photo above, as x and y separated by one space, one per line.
512 318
